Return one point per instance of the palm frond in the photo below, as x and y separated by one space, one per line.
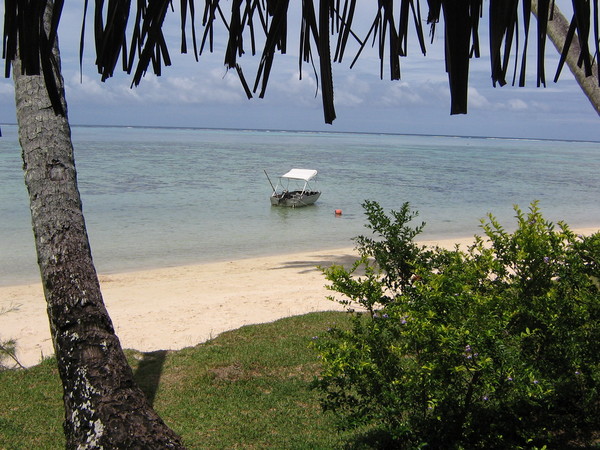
26 37
141 45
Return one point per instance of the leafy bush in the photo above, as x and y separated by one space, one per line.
495 346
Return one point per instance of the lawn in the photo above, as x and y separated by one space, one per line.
248 388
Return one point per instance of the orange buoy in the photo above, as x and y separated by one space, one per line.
338 212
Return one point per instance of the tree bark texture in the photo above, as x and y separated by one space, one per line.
104 408
557 32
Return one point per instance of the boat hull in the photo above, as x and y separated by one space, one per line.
294 199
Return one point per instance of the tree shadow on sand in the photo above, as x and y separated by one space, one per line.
311 264
148 373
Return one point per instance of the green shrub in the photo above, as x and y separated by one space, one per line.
495 346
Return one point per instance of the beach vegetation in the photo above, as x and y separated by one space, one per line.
247 388
494 345
8 354
103 405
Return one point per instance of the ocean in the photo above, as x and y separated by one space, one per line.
158 197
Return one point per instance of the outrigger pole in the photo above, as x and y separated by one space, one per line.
273 187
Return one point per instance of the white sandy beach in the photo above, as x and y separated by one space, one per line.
177 307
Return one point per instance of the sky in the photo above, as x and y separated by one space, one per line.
203 94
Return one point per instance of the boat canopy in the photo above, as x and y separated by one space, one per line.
300 174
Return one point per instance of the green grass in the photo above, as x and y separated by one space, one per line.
248 388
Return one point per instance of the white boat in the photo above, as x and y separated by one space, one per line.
294 188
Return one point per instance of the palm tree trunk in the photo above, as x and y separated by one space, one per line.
557 32
103 405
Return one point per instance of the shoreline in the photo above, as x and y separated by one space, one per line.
33 278
176 307
172 308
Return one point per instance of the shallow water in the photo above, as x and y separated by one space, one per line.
162 197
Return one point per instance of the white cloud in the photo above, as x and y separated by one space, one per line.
477 100
541 106
286 85
517 104
422 89
216 87
213 87
351 90
402 93
91 90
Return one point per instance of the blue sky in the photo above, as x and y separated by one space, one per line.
204 94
